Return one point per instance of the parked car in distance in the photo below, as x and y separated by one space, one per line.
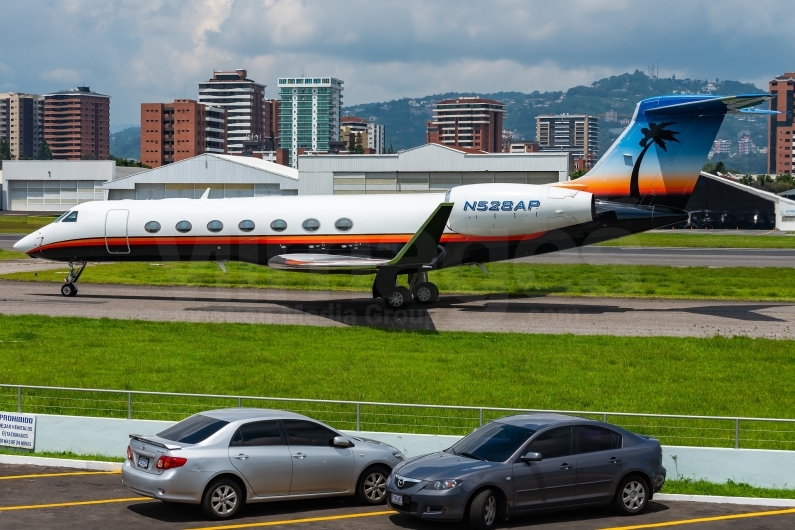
526 463
222 459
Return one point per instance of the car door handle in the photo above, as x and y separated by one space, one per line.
299 455
241 456
566 466
614 460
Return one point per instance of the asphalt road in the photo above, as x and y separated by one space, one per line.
94 500
583 316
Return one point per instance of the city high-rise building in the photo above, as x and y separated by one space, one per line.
270 120
309 114
577 134
243 99
470 122
22 123
171 132
781 131
77 124
721 147
372 134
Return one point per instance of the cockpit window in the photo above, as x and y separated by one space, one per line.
71 218
62 216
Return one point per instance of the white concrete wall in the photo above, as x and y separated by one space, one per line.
107 436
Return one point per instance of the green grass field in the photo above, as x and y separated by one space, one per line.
728 489
717 376
10 255
768 284
683 238
23 224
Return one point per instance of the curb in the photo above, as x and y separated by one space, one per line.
89 465
748 501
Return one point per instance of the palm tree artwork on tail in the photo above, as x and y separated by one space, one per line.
655 134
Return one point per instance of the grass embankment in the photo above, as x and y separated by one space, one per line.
728 489
768 284
23 224
682 238
717 376
6 255
67 455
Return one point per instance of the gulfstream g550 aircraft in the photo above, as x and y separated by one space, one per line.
641 183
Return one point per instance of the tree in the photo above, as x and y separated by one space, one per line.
709 167
748 180
577 173
358 148
390 151
655 135
128 162
88 156
720 167
5 151
44 152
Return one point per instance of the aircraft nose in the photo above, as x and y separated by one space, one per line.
26 244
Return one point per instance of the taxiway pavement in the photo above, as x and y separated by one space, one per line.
497 313
45 498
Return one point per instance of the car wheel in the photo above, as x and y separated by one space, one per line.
223 499
371 488
632 495
483 511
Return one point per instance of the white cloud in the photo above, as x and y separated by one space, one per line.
68 76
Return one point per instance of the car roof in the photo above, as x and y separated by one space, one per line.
252 414
539 421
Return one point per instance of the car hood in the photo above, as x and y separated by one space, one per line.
443 466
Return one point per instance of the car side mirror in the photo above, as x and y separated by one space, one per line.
339 441
531 457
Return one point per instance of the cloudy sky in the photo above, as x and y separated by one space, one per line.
153 50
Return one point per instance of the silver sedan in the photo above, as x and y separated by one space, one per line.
222 459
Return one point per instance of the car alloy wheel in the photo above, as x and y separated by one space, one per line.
634 496
490 513
223 500
375 487
483 510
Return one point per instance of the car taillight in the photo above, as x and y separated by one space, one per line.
169 462
129 454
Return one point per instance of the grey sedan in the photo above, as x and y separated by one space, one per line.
527 463
222 459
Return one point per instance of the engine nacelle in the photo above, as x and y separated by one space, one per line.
517 209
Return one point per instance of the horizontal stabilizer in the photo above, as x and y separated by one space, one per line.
712 105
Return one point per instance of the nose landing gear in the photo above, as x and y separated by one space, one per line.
75 270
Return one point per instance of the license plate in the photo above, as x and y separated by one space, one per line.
143 462
396 499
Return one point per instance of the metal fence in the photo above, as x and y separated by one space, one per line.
670 429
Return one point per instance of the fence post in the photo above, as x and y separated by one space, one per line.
239 403
129 405
481 418
737 433
19 399
604 418
358 417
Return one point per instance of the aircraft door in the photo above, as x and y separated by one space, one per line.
116 240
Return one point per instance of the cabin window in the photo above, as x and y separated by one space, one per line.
246 226
310 225
215 226
343 225
71 218
152 227
184 226
279 225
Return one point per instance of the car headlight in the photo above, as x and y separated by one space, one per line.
443 484
398 455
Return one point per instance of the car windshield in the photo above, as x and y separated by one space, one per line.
495 442
193 430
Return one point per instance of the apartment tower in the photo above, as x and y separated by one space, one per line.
243 100
22 123
77 124
781 131
171 132
577 134
372 134
469 122
309 115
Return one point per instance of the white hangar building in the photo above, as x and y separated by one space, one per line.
426 169
225 175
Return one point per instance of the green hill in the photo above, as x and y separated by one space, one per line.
405 118
126 143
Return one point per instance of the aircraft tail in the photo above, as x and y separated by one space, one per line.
658 157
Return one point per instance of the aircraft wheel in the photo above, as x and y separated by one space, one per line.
69 289
400 298
425 293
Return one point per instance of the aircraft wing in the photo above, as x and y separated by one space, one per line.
326 263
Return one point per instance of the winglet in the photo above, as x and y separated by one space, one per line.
422 247
206 194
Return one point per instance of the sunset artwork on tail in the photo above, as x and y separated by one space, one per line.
642 182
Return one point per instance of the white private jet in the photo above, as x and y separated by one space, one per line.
641 183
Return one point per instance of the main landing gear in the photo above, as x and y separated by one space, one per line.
397 297
75 270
